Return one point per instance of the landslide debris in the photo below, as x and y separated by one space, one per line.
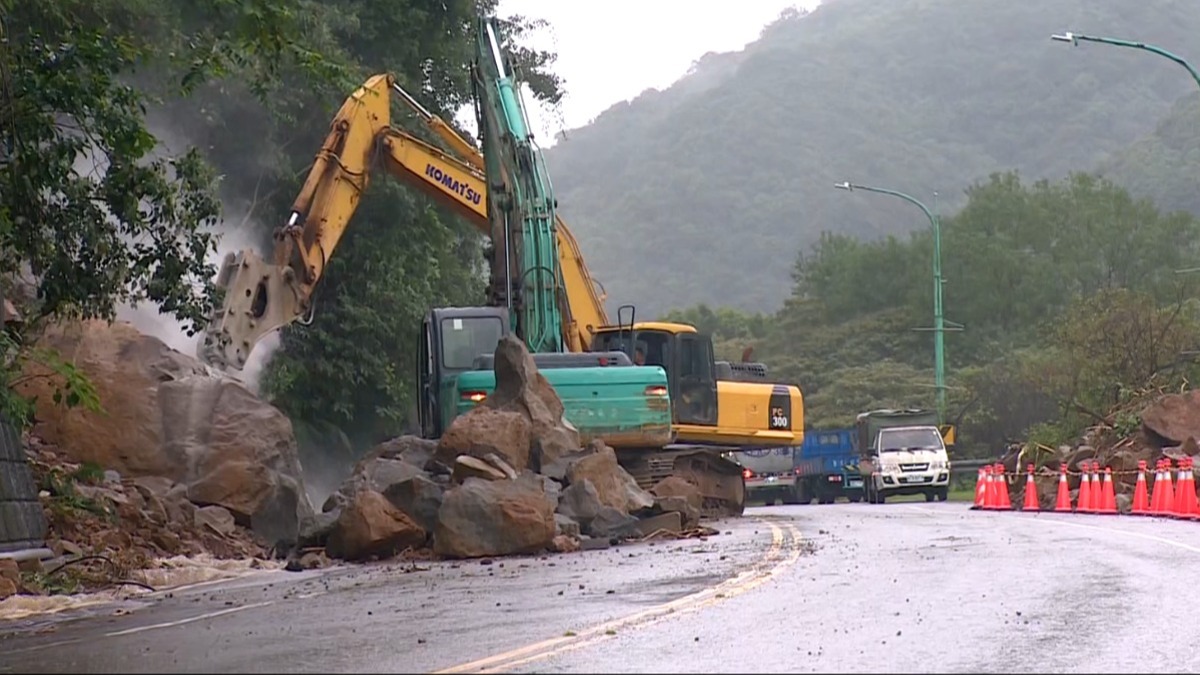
1152 425
508 477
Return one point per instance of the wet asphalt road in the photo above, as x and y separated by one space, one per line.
840 588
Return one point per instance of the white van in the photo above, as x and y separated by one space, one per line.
907 460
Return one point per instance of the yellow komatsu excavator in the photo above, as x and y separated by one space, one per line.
716 406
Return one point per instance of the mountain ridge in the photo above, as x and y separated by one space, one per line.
707 194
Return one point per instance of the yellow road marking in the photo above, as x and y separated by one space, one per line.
736 585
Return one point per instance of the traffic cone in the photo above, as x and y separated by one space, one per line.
1031 493
980 489
1083 504
1141 500
1003 504
1108 496
1193 503
1164 492
1062 501
1175 508
1185 491
1156 493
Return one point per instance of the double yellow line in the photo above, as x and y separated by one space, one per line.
782 553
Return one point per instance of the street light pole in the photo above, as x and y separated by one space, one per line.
939 322
1074 39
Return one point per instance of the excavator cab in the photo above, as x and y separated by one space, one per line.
451 340
685 355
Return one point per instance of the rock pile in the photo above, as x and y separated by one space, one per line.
508 477
118 524
164 416
1152 427
181 461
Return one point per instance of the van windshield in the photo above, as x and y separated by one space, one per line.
895 440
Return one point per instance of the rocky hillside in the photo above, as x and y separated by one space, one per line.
707 191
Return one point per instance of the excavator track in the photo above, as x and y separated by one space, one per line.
722 487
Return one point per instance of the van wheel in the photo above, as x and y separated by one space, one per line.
930 495
874 496
943 493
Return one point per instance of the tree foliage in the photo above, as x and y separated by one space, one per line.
136 133
1068 291
90 211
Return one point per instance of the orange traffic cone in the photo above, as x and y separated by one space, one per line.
1185 491
1156 494
1062 501
1164 494
1004 503
1083 503
1193 502
980 489
1141 500
1175 508
1108 495
1031 493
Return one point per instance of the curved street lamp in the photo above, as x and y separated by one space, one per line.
939 322
1074 39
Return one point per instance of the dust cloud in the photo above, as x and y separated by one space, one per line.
237 231
147 319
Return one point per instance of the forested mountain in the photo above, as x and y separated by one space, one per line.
1164 165
707 191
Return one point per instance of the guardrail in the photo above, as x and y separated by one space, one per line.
22 523
968 465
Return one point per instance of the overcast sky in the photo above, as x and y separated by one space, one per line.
612 50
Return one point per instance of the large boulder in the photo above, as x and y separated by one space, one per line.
484 431
372 473
164 415
419 497
392 462
520 387
501 517
675 493
412 449
613 484
580 502
370 526
1174 417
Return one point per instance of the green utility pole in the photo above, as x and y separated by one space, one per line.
939 321
1074 39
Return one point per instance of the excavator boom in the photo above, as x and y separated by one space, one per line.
673 415
521 203
261 295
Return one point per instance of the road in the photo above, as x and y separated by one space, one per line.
839 588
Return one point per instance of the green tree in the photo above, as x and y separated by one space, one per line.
1067 288
87 207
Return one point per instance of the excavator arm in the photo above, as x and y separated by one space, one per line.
261 296
524 259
